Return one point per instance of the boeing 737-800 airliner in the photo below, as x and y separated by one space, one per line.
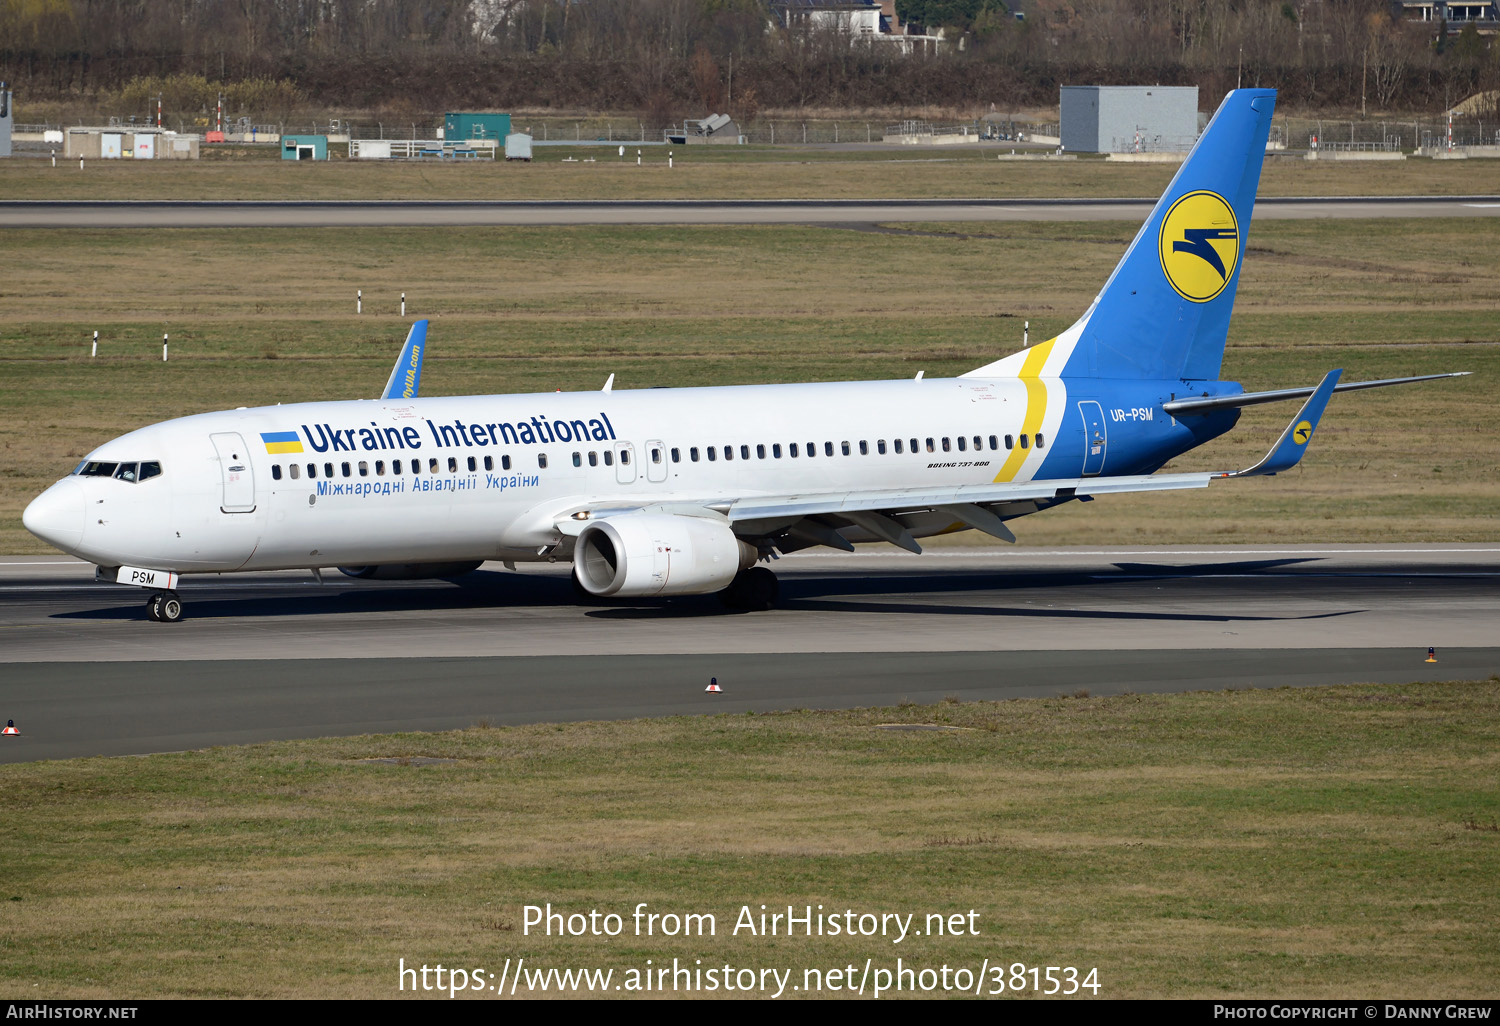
686 491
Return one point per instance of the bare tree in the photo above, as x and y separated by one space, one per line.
1389 56
706 81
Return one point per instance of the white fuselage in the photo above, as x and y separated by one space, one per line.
490 477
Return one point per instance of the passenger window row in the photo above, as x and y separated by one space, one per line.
961 443
712 453
362 468
609 458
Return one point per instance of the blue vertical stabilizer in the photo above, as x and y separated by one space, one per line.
406 376
1164 313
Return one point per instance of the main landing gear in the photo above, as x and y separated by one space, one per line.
754 589
164 607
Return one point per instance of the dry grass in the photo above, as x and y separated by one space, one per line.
749 173
1324 281
267 316
1315 843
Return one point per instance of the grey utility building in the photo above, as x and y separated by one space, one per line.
1129 119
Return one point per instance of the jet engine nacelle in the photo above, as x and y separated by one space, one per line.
645 554
410 571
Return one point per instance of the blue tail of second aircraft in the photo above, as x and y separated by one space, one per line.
1164 312
406 376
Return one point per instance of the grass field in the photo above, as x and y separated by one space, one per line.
1333 842
268 316
706 173
1326 842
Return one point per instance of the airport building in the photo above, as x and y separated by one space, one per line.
134 143
461 127
304 147
1129 119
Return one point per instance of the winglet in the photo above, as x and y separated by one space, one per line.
1293 441
406 376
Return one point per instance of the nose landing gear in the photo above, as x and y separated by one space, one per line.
164 607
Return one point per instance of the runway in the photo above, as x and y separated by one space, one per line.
455 213
262 657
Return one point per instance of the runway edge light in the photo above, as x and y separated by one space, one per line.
10 729
713 686
1431 655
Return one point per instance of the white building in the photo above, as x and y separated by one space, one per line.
874 22
1483 14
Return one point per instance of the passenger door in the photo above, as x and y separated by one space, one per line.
1094 437
236 471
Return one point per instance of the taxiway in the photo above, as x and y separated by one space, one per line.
272 656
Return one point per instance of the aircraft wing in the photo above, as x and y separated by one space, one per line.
977 506
876 510
980 506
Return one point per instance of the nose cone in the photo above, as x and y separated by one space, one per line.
57 515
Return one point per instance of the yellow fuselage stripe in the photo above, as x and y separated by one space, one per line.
1036 407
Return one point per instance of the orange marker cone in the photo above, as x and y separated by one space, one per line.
1431 655
10 729
713 686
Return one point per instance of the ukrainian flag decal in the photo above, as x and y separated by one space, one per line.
281 441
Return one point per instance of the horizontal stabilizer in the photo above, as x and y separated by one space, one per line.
406 376
1221 402
1292 444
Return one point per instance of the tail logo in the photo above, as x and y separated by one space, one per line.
1199 245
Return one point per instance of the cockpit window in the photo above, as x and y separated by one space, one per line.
131 472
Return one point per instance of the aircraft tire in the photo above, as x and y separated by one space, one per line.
167 606
762 588
152 610
753 589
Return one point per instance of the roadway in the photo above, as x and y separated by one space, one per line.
272 656
430 213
